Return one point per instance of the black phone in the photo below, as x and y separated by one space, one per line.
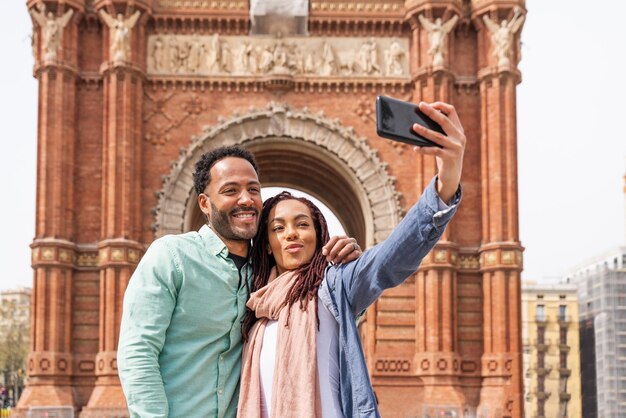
394 119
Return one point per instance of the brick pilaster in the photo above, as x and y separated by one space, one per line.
436 358
50 362
117 259
120 248
501 251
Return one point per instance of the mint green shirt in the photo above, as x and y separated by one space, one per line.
179 351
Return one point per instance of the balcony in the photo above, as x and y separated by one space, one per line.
563 372
564 348
564 396
541 319
542 347
544 371
564 320
543 395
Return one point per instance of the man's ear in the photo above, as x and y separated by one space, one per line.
205 205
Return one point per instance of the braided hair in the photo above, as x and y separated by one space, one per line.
308 277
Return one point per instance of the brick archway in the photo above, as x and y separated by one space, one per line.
299 149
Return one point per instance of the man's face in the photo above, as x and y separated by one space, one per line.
235 202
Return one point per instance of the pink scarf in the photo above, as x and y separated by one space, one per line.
295 389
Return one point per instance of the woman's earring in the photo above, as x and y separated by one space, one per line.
269 250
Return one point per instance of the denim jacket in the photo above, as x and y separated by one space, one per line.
347 290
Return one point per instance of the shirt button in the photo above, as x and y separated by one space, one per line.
220 391
221 358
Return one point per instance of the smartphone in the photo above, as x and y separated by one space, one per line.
394 119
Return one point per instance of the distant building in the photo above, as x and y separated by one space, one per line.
21 298
551 351
602 298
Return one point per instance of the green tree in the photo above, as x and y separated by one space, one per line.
14 343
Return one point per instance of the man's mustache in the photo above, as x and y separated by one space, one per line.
244 209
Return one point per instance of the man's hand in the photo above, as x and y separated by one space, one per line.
450 157
341 250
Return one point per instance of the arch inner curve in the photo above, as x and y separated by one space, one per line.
296 149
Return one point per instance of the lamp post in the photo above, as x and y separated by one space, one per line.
19 384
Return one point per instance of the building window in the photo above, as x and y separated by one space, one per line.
541 313
562 312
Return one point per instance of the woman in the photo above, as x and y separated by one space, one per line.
302 353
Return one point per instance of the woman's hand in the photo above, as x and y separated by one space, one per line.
450 157
341 249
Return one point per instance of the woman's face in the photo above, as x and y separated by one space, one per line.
291 233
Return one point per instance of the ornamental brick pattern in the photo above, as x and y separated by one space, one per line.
119 133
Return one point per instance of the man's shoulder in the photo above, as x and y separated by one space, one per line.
176 243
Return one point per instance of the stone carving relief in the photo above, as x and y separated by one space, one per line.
502 36
365 109
244 56
394 56
160 119
34 39
437 37
119 38
52 29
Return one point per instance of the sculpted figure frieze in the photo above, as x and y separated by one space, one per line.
503 36
394 57
437 36
52 29
296 56
120 30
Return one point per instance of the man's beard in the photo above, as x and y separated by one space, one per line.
220 222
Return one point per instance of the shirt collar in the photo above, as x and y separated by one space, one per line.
212 242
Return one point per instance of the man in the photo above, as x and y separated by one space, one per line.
179 352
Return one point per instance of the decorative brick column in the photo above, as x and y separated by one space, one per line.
437 361
436 353
501 251
432 366
50 362
501 363
120 248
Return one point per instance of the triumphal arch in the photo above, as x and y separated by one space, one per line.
131 92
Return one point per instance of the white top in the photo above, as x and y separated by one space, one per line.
327 341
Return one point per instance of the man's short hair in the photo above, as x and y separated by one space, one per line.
202 175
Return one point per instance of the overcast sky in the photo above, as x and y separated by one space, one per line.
571 136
